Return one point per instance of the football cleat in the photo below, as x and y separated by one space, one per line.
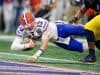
89 58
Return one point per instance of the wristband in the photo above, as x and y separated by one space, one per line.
38 53
41 50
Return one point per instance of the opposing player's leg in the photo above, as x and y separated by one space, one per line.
91 29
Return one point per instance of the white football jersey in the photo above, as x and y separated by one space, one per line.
47 29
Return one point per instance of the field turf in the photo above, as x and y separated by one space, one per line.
55 53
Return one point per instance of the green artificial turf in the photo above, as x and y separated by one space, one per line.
51 52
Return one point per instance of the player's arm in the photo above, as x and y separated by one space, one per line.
81 12
44 44
46 35
78 14
18 44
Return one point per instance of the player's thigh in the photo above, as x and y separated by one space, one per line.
97 34
93 24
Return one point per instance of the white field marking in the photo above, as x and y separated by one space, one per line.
51 59
7 37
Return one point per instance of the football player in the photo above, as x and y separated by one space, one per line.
92 29
59 33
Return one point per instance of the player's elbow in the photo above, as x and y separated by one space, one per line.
14 47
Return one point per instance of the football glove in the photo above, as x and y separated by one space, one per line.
73 20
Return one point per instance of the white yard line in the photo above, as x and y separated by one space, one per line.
7 37
50 59
44 59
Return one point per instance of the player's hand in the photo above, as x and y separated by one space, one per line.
31 43
31 59
73 20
